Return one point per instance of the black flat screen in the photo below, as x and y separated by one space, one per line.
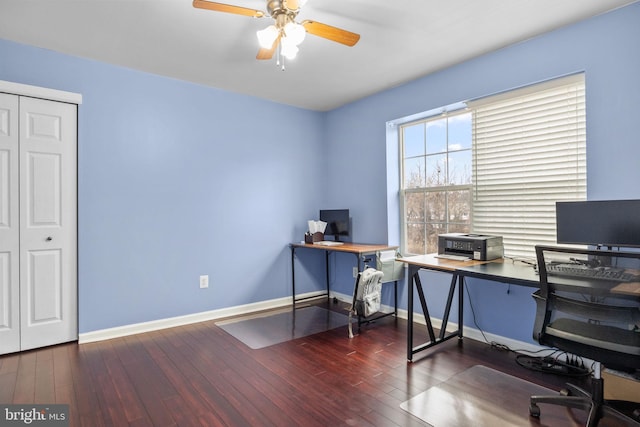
337 222
602 222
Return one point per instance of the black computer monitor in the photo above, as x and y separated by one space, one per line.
337 222
613 223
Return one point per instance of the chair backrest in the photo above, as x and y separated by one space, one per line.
589 304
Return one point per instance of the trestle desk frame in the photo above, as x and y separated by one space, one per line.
505 271
361 251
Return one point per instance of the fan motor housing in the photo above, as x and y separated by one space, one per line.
278 7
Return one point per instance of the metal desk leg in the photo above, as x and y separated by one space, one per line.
460 305
293 276
445 320
425 309
443 336
326 272
395 298
413 273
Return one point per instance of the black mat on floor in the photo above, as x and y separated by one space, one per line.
264 330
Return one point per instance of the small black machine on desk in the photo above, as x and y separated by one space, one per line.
473 246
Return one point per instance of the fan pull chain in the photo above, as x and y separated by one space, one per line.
279 58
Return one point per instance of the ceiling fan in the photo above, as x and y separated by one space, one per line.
285 34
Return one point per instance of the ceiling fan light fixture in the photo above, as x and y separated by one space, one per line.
285 35
295 32
267 36
288 49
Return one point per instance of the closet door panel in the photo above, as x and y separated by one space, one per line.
9 226
48 222
45 291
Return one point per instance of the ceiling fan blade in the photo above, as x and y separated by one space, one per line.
268 53
331 33
221 7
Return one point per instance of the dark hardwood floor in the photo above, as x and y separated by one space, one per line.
198 375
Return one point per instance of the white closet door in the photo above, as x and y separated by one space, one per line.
9 226
48 211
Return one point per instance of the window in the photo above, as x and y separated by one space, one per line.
437 160
496 167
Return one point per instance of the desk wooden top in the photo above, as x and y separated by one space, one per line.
354 248
629 288
499 270
429 261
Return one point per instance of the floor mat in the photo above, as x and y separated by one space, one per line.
480 396
264 330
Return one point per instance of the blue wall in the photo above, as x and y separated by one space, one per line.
605 48
175 179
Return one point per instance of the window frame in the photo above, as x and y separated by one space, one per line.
578 194
446 189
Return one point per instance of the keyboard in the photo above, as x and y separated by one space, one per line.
328 243
583 271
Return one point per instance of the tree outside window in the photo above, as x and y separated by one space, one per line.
496 167
436 182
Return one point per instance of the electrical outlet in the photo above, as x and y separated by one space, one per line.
204 282
355 272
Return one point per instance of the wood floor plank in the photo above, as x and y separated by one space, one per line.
88 407
44 387
219 372
183 376
199 375
7 386
149 382
63 370
297 378
217 409
24 391
9 363
177 374
127 397
106 392
283 394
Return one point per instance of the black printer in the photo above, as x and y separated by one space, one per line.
474 246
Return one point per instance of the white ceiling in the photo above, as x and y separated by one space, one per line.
400 40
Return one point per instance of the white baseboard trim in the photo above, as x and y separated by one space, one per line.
476 334
467 332
154 325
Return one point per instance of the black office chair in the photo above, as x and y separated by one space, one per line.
588 304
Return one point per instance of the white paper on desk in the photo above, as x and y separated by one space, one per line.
387 255
316 226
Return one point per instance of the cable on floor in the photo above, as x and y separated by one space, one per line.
571 366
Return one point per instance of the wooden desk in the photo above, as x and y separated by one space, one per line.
499 270
504 271
360 250
631 288
496 270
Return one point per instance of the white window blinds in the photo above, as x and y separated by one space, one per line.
529 152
